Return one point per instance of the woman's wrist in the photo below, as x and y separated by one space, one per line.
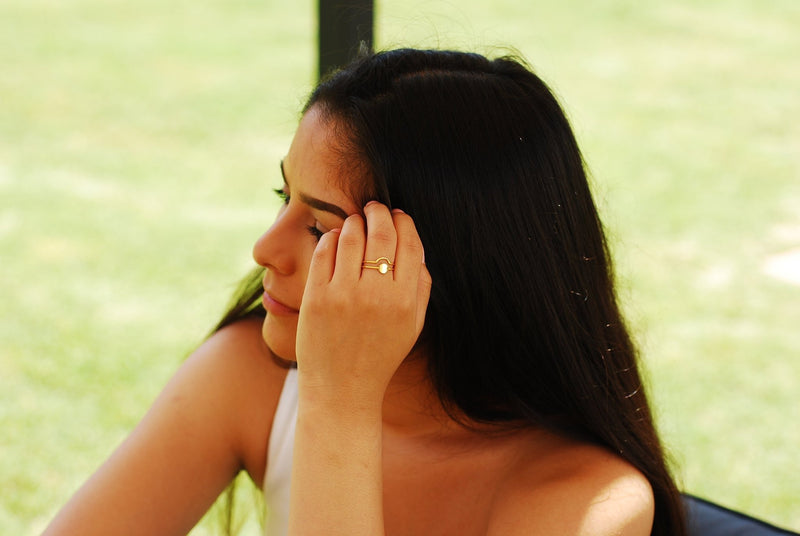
338 445
348 404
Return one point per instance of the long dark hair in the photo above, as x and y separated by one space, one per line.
523 324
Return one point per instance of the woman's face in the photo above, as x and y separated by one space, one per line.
314 203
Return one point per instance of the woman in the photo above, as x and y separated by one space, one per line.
439 275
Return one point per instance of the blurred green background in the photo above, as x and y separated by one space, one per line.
139 142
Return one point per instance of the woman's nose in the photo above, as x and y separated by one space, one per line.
272 250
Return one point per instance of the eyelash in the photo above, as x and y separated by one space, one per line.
285 198
283 195
313 231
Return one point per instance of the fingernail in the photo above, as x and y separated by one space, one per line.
397 211
373 202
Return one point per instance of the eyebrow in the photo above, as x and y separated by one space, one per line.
318 204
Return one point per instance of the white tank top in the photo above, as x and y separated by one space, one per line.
277 479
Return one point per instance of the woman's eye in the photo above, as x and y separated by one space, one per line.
316 233
283 195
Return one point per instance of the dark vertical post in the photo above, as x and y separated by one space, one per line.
343 25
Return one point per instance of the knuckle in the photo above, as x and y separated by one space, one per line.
427 279
413 246
382 234
407 306
372 301
321 251
349 240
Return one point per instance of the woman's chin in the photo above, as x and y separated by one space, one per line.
278 339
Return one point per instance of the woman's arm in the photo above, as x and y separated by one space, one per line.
355 328
189 446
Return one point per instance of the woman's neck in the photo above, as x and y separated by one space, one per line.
411 405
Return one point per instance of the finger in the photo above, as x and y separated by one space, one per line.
323 261
350 252
423 296
409 252
381 237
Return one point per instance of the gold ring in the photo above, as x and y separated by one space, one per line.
382 264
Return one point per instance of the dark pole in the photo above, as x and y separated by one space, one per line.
343 26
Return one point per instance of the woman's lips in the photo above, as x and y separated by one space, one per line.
275 307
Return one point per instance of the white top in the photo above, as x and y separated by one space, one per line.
279 459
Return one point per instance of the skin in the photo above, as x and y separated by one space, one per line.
375 452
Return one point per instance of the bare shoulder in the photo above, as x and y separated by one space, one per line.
210 421
574 489
239 348
238 364
237 361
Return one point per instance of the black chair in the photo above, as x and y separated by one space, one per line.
708 519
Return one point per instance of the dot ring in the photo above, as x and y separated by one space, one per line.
382 264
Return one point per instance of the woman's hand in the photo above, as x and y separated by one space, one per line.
357 324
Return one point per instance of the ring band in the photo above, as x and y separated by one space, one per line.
382 264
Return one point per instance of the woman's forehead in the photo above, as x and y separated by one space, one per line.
313 164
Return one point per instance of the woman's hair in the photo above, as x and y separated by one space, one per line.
523 325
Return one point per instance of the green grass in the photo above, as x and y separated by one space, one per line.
138 144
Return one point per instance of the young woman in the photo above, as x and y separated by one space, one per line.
432 345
